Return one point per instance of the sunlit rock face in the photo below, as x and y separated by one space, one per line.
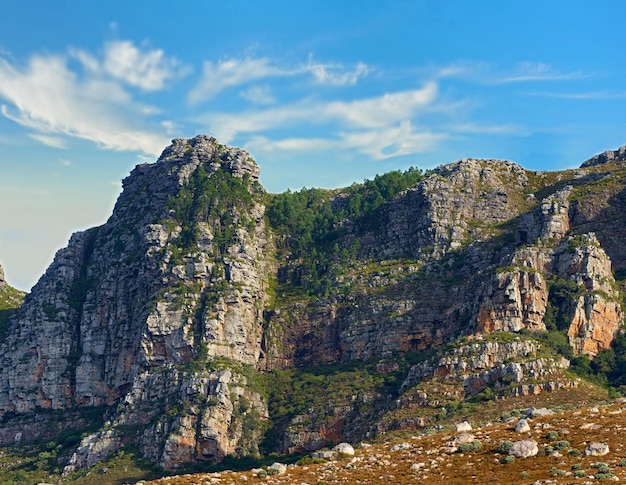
162 321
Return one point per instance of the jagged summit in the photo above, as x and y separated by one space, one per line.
188 324
609 156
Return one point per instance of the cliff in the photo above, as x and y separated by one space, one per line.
189 323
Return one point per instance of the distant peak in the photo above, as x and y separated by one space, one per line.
609 156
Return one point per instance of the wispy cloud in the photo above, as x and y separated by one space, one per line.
258 95
51 141
221 75
488 73
336 74
217 76
149 70
49 98
592 95
538 71
376 112
380 127
377 144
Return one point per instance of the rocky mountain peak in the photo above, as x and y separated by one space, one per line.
189 321
2 280
610 156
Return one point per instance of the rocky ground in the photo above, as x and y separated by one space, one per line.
577 445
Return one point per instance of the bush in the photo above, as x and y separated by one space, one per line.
579 473
504 447
561 445
603 476
552 435
507 459
469 447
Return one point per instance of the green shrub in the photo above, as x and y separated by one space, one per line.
579 473
561 445
603 476
552 435
504 447
507 459
469 447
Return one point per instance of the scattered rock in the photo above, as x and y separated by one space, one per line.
522 426
597 449
534 412
344 449
280 468
401 446
524 449
463 438
323 454
464 426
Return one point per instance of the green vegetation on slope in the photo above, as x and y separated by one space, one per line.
310 225
219 198
10 301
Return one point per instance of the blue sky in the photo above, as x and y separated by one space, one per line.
321 93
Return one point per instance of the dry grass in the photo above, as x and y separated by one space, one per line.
434 463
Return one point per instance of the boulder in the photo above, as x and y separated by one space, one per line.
344 449
597 449
522 426
524 449
464 426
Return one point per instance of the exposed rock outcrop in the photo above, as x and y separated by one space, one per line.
161 318
134 311
609 156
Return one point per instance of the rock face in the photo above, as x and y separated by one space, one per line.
517 298
610 156
162 319
134 313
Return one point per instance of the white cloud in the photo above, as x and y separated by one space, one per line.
538 71
377 144
487 73
376 112
336 74
51 141
148 70
258 95
51 99
233 72
218 76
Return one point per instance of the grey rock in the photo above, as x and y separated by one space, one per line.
464 426
344 449
524 449
597 449
522 426
280 468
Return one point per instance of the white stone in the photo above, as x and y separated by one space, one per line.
281 468
522 426
597 449
344 449
524 449
464 426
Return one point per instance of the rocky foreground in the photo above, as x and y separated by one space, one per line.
531 446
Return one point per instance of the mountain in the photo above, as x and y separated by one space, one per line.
209 319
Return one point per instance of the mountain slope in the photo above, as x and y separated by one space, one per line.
202 317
